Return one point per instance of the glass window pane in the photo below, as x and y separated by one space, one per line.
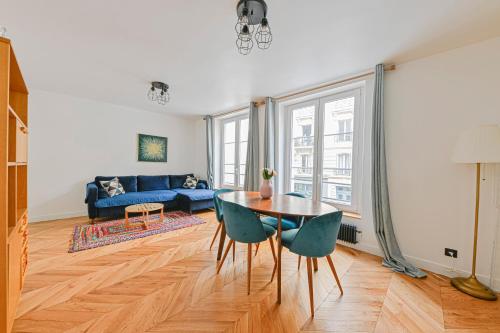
229 168
230 132
229 178
243 152
337 151
244 130
229 153
302 150
301 186
242 180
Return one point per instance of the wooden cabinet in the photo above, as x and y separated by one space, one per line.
13 184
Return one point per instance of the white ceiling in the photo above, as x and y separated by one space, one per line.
110 50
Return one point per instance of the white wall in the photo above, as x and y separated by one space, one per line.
428 103
72 140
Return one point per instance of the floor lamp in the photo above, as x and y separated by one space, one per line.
476 146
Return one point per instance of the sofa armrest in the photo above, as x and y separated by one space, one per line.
91 196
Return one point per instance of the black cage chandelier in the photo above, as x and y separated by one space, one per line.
252 13
159 93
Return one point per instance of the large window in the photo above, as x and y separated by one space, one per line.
323 153
234 151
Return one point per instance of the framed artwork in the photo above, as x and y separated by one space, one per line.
152 148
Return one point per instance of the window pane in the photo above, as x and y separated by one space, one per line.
337 151
229 178
302 150
243 153
244 130
229 132
242 180
301 186
229 153
229 168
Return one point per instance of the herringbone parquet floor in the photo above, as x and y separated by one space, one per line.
167 283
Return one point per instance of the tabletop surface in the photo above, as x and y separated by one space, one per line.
145 207
278 204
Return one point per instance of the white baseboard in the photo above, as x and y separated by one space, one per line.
42 218
428 265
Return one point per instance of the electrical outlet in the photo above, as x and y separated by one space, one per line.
450 252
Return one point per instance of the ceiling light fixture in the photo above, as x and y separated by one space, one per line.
252 13
159 93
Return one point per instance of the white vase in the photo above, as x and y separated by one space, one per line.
266 189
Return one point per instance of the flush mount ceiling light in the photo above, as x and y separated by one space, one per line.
252 13
159 93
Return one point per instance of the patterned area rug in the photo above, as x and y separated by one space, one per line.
89 236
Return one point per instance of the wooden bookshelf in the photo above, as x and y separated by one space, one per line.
13 184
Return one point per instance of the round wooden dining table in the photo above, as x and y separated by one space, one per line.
278 205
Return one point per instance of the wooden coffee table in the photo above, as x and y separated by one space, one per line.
143 209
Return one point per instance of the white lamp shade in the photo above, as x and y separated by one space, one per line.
478 145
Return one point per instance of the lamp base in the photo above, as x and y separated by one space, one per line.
473 287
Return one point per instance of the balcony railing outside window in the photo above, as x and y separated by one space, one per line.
303 141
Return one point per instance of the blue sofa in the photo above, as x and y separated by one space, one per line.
166 189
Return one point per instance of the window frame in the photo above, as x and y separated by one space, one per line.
358 91
237 119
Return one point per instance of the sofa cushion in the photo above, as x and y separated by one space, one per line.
153 183
133 198
176 181
195 194
129 183
201 185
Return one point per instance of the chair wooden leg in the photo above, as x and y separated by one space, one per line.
298 266
271 242
249 268
234 250
257 248
225 255
330 262
310 281
215 236
222 239
315 264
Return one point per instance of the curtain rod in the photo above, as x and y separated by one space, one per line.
278 98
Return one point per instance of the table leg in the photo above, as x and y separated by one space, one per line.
161 215
279 259
315 264
146 220
126 220
221 241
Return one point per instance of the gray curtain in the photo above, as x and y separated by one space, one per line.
269 136
252 172
209 124
380 192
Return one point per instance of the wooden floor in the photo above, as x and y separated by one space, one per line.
167 283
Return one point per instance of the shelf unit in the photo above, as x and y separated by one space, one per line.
13 184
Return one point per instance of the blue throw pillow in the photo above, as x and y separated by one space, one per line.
153 183
177 181
201 186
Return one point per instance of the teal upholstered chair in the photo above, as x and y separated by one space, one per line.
243 225
218 211
287 222
315 239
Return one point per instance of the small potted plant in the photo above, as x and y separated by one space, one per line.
266 189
